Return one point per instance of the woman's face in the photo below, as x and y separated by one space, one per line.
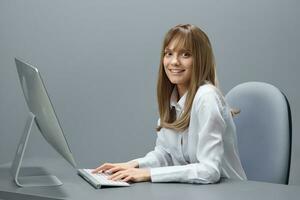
178 65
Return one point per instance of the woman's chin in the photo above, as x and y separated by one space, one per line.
176 81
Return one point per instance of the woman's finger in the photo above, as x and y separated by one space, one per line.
103 167
115 175
127 179
115 169
119 177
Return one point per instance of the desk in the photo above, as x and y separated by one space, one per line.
75 187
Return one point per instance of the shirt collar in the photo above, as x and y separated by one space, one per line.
173 99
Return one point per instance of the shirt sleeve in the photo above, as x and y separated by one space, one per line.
209 125
159 157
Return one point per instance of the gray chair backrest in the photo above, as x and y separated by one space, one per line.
263 131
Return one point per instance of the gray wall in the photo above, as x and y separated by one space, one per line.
99 62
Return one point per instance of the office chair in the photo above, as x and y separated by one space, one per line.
264 131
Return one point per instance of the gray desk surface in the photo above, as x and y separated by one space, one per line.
75 187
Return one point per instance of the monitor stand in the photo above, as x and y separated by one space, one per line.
29 181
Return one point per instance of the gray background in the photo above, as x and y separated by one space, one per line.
99 61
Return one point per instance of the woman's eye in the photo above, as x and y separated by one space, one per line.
186 55
168 54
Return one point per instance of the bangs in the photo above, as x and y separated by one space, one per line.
182 40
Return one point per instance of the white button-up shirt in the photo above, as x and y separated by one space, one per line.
204 152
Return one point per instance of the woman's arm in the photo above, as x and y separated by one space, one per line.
159 157
208 125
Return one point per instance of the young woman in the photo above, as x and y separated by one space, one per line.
196 136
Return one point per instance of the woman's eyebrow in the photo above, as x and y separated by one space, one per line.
179 50
184 50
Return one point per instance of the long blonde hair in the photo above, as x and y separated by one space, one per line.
192 38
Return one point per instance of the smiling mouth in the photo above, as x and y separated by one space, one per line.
176 71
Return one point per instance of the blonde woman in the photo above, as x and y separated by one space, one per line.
196 139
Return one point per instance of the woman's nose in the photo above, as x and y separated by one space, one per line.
174 60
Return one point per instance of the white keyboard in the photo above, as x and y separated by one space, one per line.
99 179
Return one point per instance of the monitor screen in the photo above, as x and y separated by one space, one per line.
40 105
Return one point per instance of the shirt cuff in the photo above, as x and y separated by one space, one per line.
164 174
182 173
143 162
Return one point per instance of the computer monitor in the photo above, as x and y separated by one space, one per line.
42 114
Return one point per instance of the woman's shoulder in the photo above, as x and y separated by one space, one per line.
208 89
210 92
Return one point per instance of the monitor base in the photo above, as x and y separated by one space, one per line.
29 181
37 181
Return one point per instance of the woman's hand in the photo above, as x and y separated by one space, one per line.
112 168
132 175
